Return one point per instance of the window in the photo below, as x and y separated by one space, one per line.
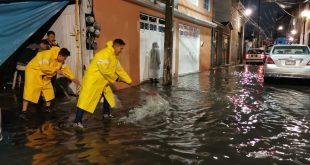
153 27
152 23
255 51
141 25
146 26
188 31
143 17
207 5
194 2
161 21
161 29
290 50
152 19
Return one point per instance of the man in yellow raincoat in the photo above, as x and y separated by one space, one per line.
103 70
39 72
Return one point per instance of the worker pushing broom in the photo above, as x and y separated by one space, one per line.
39 73
103 70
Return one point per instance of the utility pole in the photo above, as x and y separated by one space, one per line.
168 49
304 31
258 22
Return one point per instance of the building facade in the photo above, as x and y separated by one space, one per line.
303 20
142 22
296 26
228 36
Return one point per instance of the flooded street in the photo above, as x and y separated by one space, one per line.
224 116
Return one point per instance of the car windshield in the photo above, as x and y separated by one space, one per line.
269 49
300 50
255 51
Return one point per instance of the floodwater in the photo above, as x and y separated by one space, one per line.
225 116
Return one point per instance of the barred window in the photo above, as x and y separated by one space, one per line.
207 5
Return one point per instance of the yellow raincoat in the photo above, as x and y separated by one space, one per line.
39 72
103 70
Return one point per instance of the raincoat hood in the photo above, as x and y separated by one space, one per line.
55 51
109 45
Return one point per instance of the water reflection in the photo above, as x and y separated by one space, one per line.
225 116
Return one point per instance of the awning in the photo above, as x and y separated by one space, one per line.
21 19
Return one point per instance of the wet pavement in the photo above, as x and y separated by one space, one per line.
225 116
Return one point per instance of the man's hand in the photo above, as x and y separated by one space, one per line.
120 80
77 82
60 72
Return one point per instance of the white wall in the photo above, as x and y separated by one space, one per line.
194 2
189 49
64 27
87 55
147 37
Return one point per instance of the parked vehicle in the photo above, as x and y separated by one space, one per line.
291 61
255 55
268 49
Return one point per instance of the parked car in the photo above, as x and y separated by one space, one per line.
255 55
291 61
268 49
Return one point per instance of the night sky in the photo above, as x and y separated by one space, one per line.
269 12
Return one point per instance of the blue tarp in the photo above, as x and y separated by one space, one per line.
20 20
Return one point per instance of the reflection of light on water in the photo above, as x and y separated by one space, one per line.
245 104
260 70
154 105
260 154
247 76
280 135
246 69
260 74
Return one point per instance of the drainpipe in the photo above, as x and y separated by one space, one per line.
212 38
212 49
78 43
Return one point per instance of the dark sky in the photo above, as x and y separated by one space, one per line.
269 12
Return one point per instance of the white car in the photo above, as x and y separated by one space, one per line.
290 61
255 55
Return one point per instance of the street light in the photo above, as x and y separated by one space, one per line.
305 14
291 39
248 12
293 32
280 28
